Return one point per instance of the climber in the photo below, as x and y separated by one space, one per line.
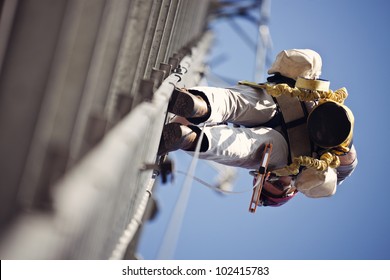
308 125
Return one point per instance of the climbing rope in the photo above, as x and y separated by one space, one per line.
326 160
304 95
215 188
171 235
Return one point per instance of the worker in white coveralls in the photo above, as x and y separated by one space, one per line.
307 123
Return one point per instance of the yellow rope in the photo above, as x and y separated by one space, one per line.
304 95
326 160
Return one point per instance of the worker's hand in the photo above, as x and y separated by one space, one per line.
278 187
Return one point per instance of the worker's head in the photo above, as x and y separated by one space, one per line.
330 125
296 63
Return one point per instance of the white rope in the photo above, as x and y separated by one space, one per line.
171 236
215 188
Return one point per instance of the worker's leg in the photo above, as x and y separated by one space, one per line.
177 136
243 147
241 105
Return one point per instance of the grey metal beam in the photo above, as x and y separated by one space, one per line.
165 40
71 72
91 123
130 52
97 199
25 68
65 82
158 37
141 63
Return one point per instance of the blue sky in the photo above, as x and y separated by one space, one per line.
353 39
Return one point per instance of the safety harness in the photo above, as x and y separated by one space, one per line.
291 102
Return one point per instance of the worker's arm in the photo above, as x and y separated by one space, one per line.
348 163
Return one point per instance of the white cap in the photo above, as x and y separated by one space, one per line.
296 63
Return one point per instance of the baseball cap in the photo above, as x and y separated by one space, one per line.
295 63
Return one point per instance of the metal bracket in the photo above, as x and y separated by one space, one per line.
164 168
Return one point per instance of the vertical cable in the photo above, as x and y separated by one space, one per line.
171 236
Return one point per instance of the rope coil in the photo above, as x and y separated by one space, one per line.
277 90
326 160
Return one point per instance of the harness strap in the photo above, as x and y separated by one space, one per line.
294 117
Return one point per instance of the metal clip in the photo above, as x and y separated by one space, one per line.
163 168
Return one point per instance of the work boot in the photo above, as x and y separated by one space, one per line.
177 136
188 105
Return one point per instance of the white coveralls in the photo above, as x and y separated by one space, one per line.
242 146
239 146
